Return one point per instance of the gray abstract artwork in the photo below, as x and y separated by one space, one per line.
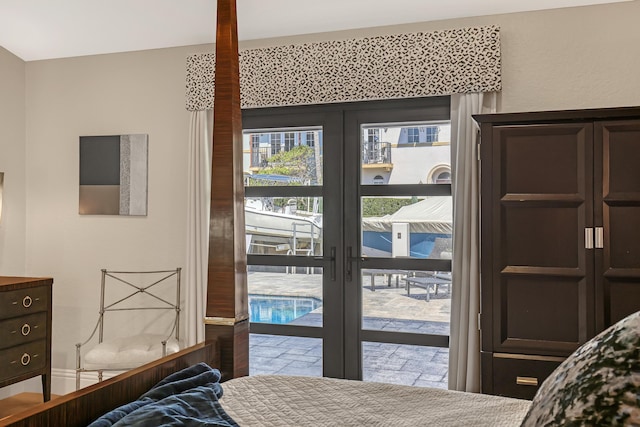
113 174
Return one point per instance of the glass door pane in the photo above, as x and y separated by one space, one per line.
283 225
285 211
404 248
406 153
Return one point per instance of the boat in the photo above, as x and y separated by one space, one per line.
287 231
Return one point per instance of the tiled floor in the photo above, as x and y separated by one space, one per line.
386 308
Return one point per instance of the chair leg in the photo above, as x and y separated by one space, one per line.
78 366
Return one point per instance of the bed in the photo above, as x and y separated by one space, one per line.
268 400
597 385
265 401
604 373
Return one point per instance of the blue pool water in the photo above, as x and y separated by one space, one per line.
421 244
280 309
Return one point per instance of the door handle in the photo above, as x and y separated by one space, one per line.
350 260
332 262
588 238
599 238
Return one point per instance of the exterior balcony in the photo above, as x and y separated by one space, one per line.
377 155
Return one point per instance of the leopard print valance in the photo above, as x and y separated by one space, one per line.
396 66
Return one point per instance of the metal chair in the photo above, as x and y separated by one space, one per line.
136 294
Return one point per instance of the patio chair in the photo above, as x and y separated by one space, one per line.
433 280
138 321
428 281
442 247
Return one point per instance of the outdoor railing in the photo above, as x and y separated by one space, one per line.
260 157
376 153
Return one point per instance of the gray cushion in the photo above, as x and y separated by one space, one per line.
598 385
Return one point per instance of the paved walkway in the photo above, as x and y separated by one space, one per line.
386 308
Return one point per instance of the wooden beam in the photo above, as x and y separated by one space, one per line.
227 307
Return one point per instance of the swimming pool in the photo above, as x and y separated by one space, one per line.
280 309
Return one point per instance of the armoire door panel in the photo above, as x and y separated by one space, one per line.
621 299
541 182
543 236
535 308
621 146
622 248
617 207
542 159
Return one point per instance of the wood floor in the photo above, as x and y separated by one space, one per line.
18 403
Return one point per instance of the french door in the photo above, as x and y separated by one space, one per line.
348 225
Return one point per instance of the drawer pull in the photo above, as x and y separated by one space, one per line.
27 301
531 381
26 329
25 359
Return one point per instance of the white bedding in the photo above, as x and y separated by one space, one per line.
269 400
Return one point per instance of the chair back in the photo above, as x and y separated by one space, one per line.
137 292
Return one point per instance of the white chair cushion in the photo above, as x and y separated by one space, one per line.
128 352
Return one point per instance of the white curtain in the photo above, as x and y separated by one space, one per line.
464 347
198 201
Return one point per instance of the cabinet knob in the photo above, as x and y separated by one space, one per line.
25 359
530 381
26 329
27 301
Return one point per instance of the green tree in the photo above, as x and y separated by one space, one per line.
383 206
296 163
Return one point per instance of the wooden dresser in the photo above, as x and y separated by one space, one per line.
25 330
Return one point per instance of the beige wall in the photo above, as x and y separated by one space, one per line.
12 161
567 58
141 92
556 59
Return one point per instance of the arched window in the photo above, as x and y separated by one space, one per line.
443 178
378 180
440 174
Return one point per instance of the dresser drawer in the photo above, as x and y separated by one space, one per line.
23 301
23 329
23 359
520 377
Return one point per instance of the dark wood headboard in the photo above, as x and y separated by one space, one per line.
80 408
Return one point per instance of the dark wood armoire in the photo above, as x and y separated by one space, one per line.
560 237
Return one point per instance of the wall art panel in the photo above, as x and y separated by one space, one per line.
113 175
